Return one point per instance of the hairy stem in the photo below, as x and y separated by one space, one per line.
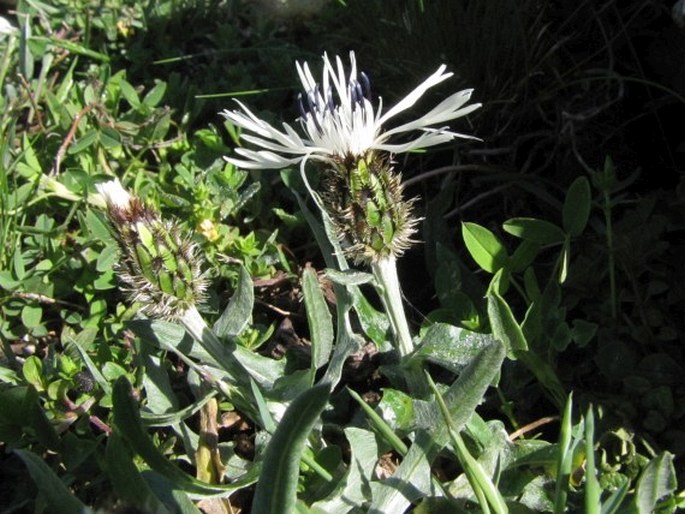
385 272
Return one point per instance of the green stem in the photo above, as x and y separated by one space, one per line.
385 273
316 467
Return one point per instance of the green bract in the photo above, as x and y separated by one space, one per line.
365 202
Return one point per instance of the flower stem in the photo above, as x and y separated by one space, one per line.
385 272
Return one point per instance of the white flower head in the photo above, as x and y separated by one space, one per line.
6 28
114 194
341 122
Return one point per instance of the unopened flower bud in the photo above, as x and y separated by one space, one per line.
160 267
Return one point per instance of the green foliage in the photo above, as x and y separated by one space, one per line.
55 492
549 289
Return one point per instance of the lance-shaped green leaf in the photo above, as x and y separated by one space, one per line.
349 277
480 481
353 488
276 491
656 482
466 393
504 325
347 342
21 412
126 480
535 230
319 318
166 419
412 478
94 369
451 347
176 500
411 481
56 494
238 313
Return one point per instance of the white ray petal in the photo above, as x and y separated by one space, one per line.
260 160
409 100
447 110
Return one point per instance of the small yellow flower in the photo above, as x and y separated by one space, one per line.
208 229
124 28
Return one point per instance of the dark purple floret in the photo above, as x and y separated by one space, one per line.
366 85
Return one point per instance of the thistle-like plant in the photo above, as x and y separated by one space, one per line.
348 137
160 268
160 271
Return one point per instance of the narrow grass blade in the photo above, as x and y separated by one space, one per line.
380 425
592 488
73 47
564 459
277 486
613 503
485 490
265 416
